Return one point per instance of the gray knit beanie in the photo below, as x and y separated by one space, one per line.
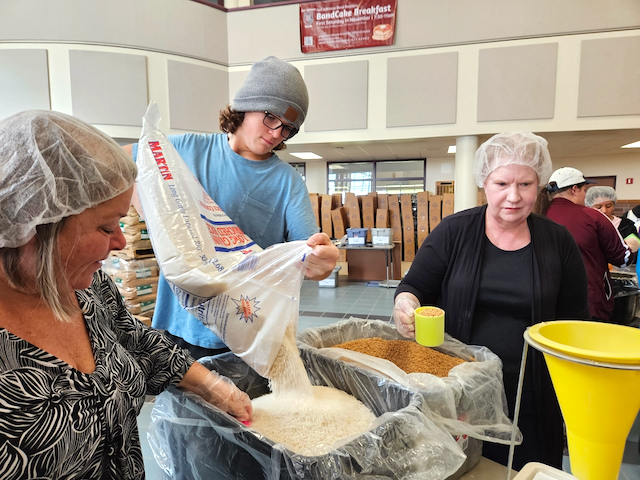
274 86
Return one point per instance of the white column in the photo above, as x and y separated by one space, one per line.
466 190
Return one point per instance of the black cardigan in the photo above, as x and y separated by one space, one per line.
446 271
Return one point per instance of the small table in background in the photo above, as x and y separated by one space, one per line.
365 263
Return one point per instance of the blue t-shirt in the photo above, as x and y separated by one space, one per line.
267 199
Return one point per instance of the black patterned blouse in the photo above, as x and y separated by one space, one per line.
59 423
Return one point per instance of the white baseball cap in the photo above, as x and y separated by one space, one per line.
566 177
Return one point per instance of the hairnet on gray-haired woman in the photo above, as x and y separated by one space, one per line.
512 148
52 166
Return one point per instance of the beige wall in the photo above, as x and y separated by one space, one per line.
464 41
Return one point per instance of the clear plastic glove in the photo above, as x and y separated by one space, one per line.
403 314
217 390
323 257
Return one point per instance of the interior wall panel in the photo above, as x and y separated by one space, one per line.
422 89
337 96
609 77
517 83
24 81
196 96
108 88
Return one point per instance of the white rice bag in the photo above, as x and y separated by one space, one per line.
245 295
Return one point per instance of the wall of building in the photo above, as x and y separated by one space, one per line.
458 67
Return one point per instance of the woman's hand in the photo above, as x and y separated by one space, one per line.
403 314
323 257
218 391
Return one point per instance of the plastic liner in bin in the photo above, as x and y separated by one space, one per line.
193 440
470 401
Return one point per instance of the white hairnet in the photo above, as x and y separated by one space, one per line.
512 148
52 166
597 192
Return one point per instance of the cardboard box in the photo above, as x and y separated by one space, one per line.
325 215
422 216
326 224
383 200
315 206
382 218
447 204
337 200
408 229
435 211
394 217
422 233
339 219
354 216
369 213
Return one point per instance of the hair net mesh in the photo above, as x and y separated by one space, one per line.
512 148
594 193
53 166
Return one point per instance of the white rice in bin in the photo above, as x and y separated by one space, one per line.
307 419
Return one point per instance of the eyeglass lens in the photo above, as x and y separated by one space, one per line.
274 123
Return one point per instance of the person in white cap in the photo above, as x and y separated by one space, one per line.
240 170
599 242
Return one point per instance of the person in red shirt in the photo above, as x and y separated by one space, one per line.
598 239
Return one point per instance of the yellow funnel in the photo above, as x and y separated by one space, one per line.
595 369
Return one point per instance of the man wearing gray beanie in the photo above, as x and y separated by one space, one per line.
263 195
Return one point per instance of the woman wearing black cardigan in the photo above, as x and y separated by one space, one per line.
496 270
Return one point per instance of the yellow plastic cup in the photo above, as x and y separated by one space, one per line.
429 326
599 404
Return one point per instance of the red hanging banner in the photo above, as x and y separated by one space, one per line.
345 24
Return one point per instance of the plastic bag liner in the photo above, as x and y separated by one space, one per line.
470 401
193 440
245 295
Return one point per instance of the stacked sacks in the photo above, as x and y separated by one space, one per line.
137 281
470 402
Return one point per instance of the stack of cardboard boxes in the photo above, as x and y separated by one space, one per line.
410 217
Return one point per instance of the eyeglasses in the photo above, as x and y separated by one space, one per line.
273 123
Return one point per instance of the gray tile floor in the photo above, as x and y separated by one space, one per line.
321 306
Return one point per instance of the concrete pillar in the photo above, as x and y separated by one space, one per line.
466 190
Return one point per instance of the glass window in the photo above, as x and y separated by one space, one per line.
399 187
354 177
392 176
400 169
301 168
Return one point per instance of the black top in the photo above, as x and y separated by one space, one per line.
504 303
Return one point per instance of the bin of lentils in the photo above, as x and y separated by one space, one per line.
462 384
293 435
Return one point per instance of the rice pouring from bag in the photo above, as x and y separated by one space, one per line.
306 419
239 291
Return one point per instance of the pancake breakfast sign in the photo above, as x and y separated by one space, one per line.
345 24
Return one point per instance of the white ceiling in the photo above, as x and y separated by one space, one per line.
561 145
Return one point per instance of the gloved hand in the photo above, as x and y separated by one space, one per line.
217 390
403 314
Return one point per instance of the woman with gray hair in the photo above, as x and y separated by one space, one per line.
604 199
75 366
497 269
